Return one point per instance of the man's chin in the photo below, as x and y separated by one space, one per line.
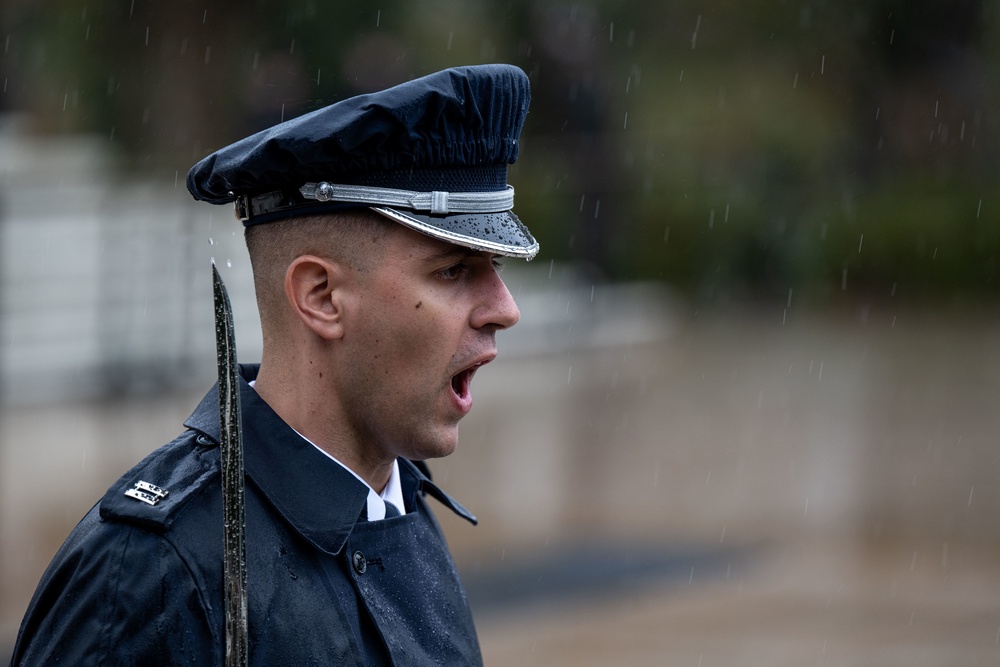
444 444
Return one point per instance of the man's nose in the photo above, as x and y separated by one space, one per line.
498 308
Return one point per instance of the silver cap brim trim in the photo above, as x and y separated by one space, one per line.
508 250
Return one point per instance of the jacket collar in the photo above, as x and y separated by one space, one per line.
318 498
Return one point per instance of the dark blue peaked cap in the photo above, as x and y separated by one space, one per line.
431 154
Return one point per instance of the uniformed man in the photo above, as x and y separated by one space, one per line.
374 227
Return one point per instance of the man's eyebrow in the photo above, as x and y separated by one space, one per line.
456 252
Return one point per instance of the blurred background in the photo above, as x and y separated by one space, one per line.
749 416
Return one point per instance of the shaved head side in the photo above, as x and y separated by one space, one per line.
350 237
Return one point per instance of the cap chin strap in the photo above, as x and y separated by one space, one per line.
436 202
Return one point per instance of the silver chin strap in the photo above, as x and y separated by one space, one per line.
436 203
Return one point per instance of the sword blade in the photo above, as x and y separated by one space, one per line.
233 504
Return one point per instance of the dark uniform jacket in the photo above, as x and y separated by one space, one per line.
140 584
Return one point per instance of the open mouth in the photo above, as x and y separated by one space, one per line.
461 383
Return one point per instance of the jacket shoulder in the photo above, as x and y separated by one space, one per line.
155 492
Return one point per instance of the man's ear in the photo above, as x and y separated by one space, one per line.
315 290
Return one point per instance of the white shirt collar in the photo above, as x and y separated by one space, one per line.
392 493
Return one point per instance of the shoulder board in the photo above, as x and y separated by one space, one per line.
153 492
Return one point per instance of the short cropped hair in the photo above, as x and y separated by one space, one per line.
352 237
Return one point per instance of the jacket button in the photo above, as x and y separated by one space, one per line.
360 562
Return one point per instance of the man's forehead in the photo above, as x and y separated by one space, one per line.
426 248
432 250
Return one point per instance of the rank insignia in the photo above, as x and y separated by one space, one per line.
147 493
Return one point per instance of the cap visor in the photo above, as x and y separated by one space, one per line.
501 233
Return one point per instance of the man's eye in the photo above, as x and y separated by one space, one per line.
497 265
452 272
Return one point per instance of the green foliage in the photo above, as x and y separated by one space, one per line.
734 149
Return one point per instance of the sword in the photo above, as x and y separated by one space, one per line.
233 505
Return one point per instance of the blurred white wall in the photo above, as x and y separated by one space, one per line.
614 413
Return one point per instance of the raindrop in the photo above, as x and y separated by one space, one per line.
611 33
451 35
147 35
208 54
860 243
569 375
229 263
666 233
626 121
694 37
979 208
822 64
795 81
211 241
597 209
378 18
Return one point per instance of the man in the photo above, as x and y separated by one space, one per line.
374 227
